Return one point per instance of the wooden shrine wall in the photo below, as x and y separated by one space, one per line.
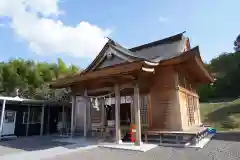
189 102
164 100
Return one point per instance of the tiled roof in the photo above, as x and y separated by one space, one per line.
155 51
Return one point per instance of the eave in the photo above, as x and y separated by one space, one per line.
192 57
121 69
193 63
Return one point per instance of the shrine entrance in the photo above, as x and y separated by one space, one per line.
125 113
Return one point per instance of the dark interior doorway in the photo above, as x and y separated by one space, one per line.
125 113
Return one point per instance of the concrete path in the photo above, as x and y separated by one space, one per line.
42 147
223 146
7 150
46 153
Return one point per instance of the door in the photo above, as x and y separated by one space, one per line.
53 120
9 122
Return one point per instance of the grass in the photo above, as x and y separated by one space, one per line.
222 116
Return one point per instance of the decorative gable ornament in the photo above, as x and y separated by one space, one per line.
109 55
187 46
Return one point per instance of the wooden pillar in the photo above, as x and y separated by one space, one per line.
177 123
117 114
73 115
89 119
132 110
85 114
42 121
63 119
198 111
28 119
48 120
149 111
2 117
137 115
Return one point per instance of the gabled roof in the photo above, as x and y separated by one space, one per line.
155 52
192 56
121 52
158 50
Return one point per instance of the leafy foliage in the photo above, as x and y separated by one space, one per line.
237 43
31 78
226 69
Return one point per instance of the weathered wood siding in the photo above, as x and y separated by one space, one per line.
164 100
79 113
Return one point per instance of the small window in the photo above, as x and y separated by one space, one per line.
9 117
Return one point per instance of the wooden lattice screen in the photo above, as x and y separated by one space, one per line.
144 109
190 110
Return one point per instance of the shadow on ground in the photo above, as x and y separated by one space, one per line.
33 143
228 136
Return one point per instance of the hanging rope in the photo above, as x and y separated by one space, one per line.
102 96
95 99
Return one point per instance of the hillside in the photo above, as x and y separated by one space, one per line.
222 116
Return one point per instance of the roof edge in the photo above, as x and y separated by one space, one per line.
99 55
171 39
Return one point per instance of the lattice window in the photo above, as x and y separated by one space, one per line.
190 110
195 104
144 110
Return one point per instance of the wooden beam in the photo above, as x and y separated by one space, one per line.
109 89
102 84
185 71
121 69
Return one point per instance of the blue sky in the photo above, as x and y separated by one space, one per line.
213 25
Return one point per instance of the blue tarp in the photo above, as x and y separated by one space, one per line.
211 130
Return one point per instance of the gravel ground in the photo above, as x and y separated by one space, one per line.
224 146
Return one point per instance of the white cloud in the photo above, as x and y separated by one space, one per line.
46 35
2 25
163 19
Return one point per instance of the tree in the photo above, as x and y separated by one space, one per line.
226 68
31 78
237 44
